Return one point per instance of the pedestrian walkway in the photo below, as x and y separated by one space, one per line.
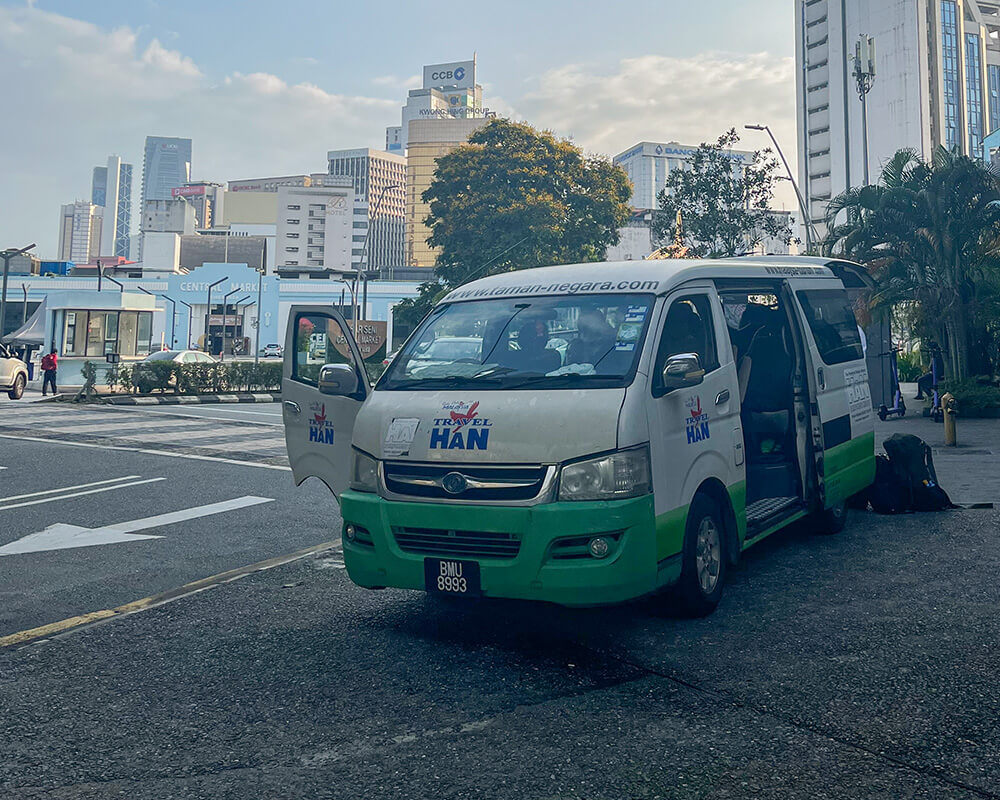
243 441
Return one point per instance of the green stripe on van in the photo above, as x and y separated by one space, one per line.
849 468
670 525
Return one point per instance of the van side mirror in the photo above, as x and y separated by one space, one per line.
682 370
338 379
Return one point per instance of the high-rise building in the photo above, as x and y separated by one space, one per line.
449 91
315 225
937 83
648 164
429 139
99 186
379 181
80 232
166 165
206 198
111 188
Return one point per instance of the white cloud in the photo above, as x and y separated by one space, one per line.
659 98
84 93
395 82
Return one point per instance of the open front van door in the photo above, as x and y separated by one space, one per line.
323 386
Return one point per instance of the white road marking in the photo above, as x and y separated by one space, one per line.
63 537
79 494
147 451
68 488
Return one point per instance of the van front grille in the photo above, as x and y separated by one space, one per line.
483 483
460 544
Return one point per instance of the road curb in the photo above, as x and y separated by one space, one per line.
193 399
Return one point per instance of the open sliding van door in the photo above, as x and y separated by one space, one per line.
323 386
843 421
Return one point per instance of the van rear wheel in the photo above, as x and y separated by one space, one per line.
832 520
703 566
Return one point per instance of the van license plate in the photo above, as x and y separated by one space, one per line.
448 576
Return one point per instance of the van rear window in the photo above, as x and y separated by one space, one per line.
833 325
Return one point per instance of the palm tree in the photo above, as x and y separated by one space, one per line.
930 236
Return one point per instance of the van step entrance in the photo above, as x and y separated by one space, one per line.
762 510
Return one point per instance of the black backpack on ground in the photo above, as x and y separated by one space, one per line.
906 480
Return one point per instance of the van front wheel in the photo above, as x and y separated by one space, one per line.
703 569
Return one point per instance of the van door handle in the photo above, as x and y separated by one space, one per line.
722 397
292 406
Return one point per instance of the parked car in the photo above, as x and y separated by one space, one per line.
181 357
13 374
273 350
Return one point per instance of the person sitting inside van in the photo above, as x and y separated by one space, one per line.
531 354
595 339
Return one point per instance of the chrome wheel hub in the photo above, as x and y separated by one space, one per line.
708 555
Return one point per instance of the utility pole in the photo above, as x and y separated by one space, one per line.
7 255
864 77
190 309
225 313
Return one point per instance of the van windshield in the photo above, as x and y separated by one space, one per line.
539 342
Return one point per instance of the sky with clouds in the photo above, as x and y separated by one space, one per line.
266 89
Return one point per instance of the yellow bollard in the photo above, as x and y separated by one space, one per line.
949 406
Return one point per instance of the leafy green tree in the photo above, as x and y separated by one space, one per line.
930 236
725 207
513 198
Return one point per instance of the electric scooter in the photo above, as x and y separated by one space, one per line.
898 406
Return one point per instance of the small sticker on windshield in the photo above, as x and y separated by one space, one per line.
625 347
629 332
635 314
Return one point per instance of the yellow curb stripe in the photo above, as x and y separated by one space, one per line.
65 625
54 627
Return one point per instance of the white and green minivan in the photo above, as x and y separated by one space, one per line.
589 433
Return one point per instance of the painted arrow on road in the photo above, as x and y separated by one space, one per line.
63 537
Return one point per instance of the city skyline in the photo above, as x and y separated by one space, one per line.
140 81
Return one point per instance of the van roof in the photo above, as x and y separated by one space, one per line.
653 276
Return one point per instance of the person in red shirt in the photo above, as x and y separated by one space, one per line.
50 362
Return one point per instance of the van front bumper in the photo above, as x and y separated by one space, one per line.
629 571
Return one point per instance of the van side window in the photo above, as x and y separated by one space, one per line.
319 340
833 324
688 328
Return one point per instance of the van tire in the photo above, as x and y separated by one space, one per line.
704 559
831 520
17 390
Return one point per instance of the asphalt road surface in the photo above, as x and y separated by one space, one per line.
863 665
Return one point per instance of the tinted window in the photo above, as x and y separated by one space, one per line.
163 355
831 320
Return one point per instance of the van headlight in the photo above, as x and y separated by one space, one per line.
364 473
617 476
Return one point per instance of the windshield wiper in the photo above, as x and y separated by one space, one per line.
553 381
448 381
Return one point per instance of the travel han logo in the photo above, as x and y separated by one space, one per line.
320 428
462 429
696 422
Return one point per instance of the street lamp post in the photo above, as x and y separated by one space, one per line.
236 312
7 255
806 217
864 77
24 305
225 314
364 254
208 310
260 289
190 309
